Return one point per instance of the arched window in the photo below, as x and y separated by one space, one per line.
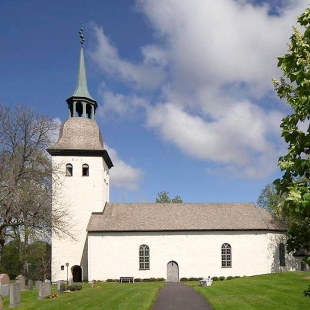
88 111
282 254
226 255
144 257
85 170
79 109
69 170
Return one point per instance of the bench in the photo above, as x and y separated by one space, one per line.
126 279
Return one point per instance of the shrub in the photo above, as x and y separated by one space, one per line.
74 288
307 291
108 280
161 279
229 278
146 280
221 278
184 279
152 279
237 277
138 280
193 279
215 278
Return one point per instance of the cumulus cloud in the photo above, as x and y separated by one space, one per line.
123 175
241 138
119 104
212 69
141 75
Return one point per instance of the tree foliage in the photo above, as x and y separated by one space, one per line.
270 200
163 197
26 180
294 87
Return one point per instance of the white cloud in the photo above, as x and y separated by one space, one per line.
139 75
54 134
119 104
212 67
122 174
241 139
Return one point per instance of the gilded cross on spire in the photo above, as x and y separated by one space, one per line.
81 34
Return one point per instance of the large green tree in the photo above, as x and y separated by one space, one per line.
294 87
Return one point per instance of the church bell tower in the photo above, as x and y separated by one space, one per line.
81 179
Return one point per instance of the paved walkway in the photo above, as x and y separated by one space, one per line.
177 296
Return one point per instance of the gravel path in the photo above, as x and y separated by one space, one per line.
177 296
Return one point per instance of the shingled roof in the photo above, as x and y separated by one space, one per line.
122 217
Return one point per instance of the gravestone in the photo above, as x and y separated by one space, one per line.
4 279
61 286
47 288
47 280
44 289
21 280
93 283
14 295
30 284
37 284
5 290
70 281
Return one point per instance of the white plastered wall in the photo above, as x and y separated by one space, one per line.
291 262
198 254
80 196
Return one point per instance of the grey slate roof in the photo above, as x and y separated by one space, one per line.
79 133
182 217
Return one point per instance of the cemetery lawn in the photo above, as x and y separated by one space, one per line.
109 296
269 292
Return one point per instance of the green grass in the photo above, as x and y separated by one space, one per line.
109 296
265 292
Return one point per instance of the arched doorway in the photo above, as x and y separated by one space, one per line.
172 272
77 273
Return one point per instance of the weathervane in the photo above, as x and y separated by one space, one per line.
81 34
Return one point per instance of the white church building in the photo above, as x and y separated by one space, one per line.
144 240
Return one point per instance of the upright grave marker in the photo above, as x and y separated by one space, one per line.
14 295
21 280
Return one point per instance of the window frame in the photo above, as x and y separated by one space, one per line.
226 255
144 257
69 170
282 261
86 174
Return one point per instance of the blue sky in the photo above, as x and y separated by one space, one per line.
186 102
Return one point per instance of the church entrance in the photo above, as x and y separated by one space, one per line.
172 272
77 273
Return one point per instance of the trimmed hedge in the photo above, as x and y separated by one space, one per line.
73 287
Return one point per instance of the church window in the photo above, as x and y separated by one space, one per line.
85 170
282 254
79 109
69 170
226 255
88 111
144 257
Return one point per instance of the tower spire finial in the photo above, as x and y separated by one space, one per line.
81 34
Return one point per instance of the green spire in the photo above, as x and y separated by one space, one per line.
81 85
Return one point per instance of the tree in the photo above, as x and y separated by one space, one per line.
26 180
294 87
163 197
270 200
